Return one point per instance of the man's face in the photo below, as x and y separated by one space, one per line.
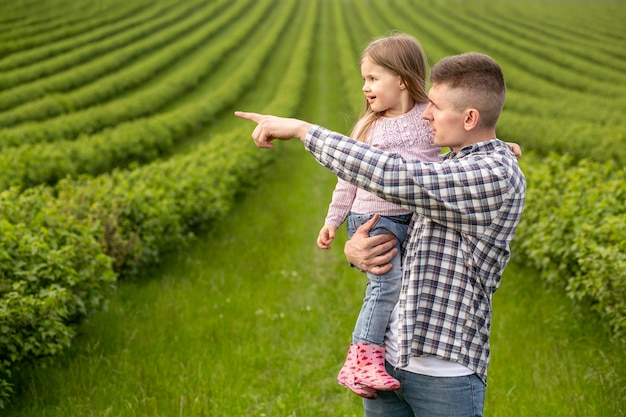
445 120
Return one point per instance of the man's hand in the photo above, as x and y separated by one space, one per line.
371 254
271 127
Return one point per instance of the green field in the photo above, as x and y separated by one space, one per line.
153 262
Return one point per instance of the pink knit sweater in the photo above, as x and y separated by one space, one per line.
409 136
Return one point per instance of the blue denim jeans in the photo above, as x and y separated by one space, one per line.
428 396
382 291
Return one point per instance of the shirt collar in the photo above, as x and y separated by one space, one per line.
486 146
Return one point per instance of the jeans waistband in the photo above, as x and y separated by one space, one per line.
401 218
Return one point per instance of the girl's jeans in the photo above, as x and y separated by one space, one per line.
428 396
382 291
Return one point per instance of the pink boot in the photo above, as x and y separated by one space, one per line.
347 376
370 360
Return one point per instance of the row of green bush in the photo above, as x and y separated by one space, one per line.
574 232
547 42
66 27
52 271
581 140
38 62
63 248
115 73
146 139
89 231
532 55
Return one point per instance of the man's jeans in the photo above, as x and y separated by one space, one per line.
427 396
382 291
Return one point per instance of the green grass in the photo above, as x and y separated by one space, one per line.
550 358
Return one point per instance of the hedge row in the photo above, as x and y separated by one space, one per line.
62 254
144 139
581 140
126 48
124 220
75 50
551 37
52 271
74 25
535 57
574 231
146 102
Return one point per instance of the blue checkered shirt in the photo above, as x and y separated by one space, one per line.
470 205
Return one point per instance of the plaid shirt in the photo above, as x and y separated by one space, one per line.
470 205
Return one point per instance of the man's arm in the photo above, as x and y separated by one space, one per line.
445 193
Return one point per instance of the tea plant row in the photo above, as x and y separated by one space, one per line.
139 140
48 59
85 114
47 26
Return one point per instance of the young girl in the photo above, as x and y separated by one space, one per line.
394 74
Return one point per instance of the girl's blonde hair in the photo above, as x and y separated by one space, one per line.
404 55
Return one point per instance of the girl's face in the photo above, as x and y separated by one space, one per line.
384 90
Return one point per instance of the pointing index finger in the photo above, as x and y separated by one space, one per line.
255 117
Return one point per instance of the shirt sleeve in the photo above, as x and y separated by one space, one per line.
463 194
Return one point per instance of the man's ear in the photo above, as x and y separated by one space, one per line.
472 116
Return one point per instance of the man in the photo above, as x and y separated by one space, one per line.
467 209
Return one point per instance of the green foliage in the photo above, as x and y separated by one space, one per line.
142 140
52 272
100 113
580 140
59 252
49 28
574 231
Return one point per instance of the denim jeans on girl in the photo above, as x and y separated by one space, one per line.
382 291
429 396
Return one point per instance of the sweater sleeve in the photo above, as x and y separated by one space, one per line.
343 197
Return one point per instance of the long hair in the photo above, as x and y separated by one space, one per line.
404 55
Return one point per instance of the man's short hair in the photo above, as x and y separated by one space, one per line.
480 79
